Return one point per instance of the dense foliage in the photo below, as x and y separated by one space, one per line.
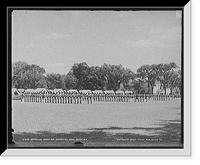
105 77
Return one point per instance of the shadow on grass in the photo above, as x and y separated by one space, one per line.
168 131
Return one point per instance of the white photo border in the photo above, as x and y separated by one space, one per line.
182 152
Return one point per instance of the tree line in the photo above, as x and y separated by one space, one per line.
105 77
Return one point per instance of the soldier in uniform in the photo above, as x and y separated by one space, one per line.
43 98
80 97
146 98
136 98
72 98
23 97
91 98
31 97
140 97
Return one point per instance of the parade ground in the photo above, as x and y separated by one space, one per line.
101 124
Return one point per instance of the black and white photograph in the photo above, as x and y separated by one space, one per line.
101 78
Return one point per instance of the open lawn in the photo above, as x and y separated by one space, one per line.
101 124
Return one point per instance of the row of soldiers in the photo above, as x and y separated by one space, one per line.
90 98
53 98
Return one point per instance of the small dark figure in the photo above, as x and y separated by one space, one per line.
78 144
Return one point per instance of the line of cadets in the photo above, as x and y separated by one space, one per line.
79 98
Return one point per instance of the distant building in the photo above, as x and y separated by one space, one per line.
157 89
121 87
144 89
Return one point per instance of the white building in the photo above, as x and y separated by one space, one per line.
157 89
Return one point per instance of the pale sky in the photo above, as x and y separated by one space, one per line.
55 40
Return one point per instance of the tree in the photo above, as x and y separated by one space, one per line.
35 75
27 76
41 83
179 81
54 81
18 69
102 79
153 76
114 75
143 74
148 74
70 81
92 79
80 71
105 77
174 80
164 73
137 85
130 77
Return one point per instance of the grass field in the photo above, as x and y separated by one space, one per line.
101 124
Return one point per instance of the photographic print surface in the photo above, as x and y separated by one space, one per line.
97 79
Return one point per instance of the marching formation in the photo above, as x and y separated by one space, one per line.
43 95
